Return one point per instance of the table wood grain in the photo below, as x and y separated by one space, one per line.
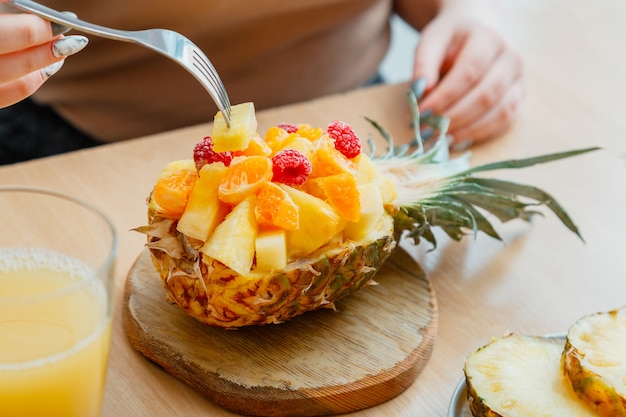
539 280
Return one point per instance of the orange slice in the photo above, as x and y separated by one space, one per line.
257 146
275 207
329 161
244 177
309 132
340 191
170 194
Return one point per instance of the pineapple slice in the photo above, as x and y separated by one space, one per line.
204 210
233 241
319 223
271 250
371 211
520 376
243 125
594 360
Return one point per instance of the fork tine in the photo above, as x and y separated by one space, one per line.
204 66
211 73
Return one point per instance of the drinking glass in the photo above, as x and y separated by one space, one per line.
56 303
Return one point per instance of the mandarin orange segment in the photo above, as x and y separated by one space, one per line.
257 146
341 192
171 193
309 132
275 136
329 161
275 207
244 177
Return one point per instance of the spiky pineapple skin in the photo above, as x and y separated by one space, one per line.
217 296
590 386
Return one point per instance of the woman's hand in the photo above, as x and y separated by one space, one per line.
31 50
474 76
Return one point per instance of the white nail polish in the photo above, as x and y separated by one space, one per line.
68 45
51 69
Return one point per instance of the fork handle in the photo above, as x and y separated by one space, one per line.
69 21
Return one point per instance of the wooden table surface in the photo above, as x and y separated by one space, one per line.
540 280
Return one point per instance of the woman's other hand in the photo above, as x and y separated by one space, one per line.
474 76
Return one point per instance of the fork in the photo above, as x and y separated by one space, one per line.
171 44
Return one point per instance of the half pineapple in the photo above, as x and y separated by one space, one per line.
594 360
300 218
520 376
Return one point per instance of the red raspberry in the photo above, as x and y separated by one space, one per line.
291 167
288 127
203 154
346 141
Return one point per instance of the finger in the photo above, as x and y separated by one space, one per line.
18 64
505 71
430 53
495 122
22 31
17 90
476 54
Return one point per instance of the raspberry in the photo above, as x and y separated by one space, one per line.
291 167
288 127
203 154
346 141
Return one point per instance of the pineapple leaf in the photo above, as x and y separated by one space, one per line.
437 191
523 163
533 193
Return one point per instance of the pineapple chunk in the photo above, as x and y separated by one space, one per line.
271 250
243 125
595 362
367 171
387 190
372 210
204 210
175 166
300 144
233 241
319 223
517 376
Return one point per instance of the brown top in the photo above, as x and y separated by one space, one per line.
269 52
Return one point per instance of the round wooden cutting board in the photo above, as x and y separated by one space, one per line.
320 363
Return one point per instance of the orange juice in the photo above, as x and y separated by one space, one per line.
55 329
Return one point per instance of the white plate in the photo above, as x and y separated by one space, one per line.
458 404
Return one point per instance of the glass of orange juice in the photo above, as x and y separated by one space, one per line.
56 304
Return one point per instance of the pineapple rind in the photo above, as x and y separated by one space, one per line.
218 296
594 362
520 376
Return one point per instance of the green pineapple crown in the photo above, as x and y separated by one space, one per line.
437 191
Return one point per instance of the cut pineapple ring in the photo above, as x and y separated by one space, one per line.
594 360
520 376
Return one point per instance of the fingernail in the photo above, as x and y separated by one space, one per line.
462 145
427 133
51 69
426 113
59 29
68 45
419 86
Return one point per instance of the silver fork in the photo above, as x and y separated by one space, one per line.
166 42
